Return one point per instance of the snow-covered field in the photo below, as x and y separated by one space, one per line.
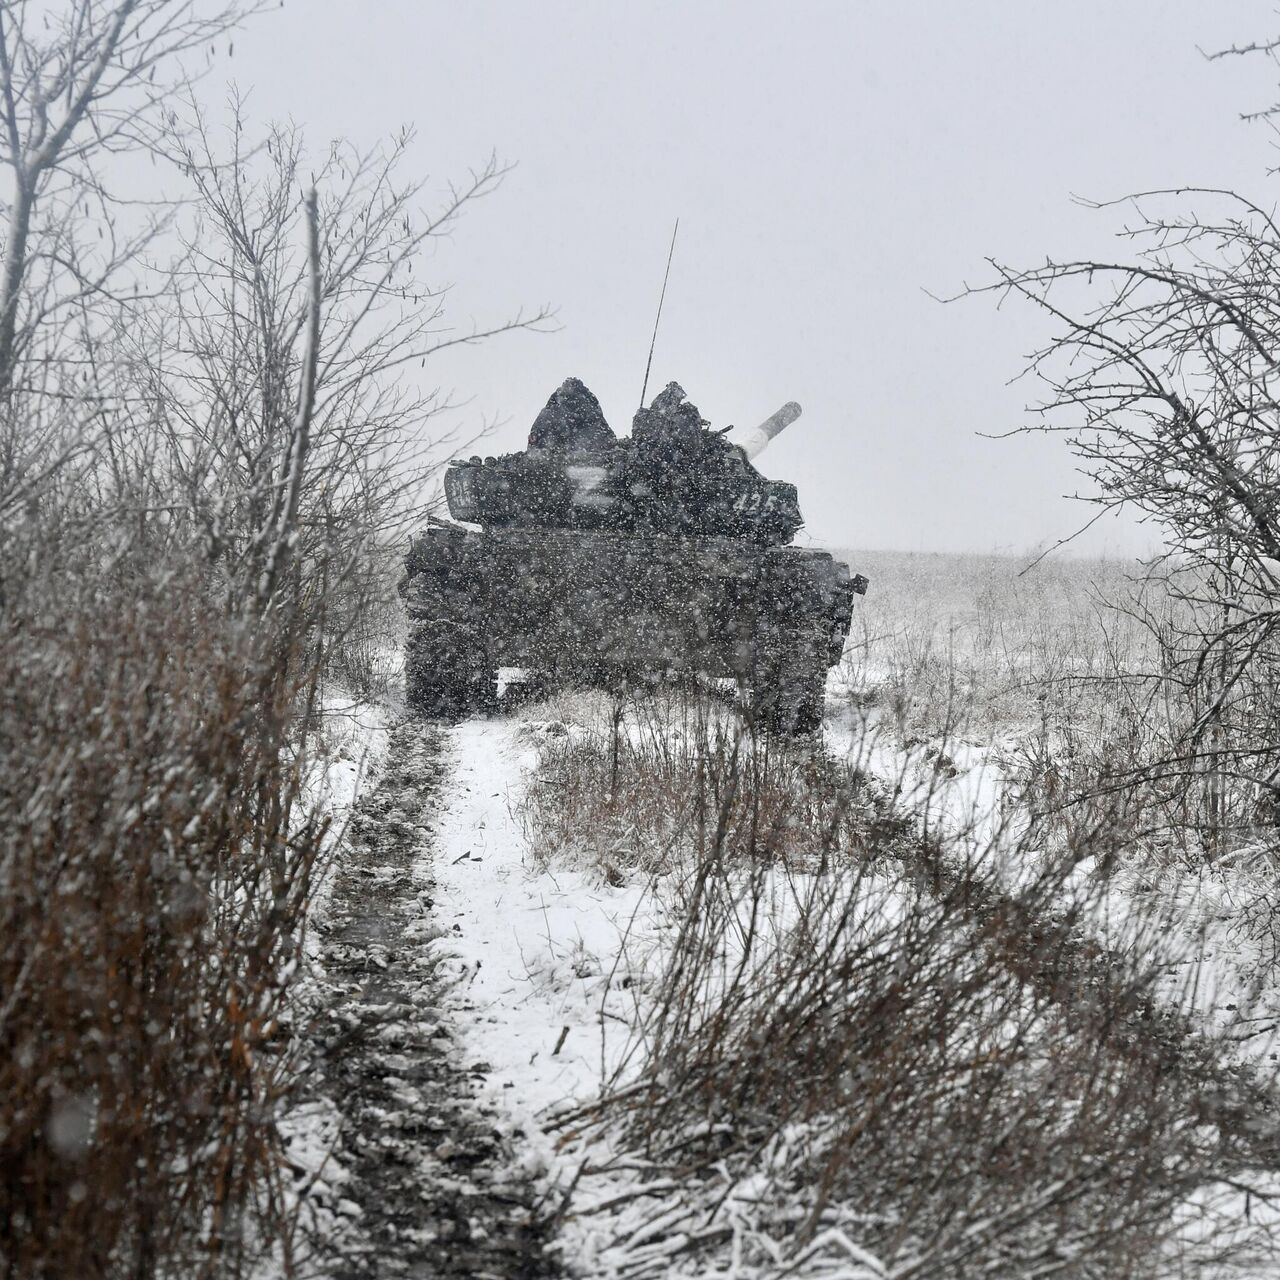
553 970
555 954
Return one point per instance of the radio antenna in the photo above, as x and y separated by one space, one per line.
661 299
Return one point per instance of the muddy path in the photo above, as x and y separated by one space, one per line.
432 1175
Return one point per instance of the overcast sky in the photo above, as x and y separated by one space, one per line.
830 161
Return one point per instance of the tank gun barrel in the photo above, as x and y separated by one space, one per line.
754 440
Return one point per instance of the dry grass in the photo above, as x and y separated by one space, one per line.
947 644
366 628
1073 677
643 779
863 1046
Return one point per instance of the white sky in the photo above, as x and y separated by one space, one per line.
830 160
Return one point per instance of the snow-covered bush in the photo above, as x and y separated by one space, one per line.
205 449
156 855
872 1053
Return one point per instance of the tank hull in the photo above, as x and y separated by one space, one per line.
595 605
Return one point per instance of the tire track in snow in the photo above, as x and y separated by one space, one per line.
433 1176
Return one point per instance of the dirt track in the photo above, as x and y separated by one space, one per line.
431 1174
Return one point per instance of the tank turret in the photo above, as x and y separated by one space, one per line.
672 475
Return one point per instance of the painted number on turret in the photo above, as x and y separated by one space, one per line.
756 502
464 486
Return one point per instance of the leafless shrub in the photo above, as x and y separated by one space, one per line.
1162 375
876 1055
215 364
80 84
364 651
157 847
218 361
202 466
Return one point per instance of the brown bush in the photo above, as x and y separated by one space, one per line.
155 864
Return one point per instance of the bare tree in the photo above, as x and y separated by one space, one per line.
1164 373
81 85
263 321
165 615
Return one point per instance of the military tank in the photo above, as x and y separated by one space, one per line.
592 558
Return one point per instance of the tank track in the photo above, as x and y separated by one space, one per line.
788 683
448 668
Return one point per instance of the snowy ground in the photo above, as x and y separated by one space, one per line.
548 963
356 735
545 969
566 940
959 784
543 958
400 1168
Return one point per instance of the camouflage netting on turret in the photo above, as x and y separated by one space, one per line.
673 475
571 421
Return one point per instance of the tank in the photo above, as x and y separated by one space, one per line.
593 558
